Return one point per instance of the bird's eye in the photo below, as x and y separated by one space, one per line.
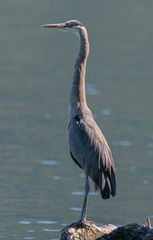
71 25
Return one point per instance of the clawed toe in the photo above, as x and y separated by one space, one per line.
78 224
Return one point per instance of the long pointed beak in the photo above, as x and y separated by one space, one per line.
57 26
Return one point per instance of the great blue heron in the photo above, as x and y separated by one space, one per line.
87 145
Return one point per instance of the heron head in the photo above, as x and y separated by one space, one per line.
71 26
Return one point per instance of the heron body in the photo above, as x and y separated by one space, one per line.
87 145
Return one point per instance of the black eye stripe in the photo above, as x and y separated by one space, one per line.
72 24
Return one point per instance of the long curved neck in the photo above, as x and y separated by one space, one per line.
77 94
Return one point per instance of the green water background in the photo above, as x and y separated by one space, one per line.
36 68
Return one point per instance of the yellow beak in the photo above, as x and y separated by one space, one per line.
57 26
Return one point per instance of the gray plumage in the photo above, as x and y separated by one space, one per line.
90 151
87 145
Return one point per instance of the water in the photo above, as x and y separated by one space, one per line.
40 187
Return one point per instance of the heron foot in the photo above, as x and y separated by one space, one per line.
79 224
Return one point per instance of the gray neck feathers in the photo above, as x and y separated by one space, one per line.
77 94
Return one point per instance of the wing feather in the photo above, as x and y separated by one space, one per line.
91 152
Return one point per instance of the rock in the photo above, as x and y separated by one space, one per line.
89 231
132 231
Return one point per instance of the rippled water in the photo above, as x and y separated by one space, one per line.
41 189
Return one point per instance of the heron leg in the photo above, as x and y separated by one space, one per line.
82 219
84 206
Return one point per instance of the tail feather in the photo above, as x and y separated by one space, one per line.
113 182
106 186
106 183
